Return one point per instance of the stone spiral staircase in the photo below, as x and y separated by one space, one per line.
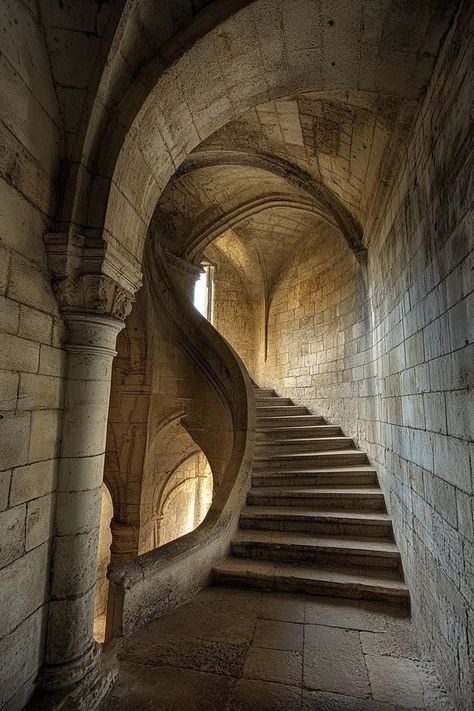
315 519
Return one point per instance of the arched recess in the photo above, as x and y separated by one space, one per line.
183 500
103 562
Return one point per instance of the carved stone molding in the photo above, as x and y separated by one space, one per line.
96 293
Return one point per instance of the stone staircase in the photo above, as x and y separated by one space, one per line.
315 519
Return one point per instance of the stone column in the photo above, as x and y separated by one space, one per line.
124 542
73 675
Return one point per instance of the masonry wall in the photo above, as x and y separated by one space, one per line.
237 316
419 423
387 353
31 359
317 331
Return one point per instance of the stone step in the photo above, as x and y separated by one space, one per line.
322 476
309 460
300 446
274 400
266 434
264 421
337 522
264 392
362 497
295 547
313 579
280 410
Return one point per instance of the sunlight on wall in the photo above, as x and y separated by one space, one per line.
103 560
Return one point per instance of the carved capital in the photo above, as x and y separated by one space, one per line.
96 293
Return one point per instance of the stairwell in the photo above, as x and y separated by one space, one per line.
315 519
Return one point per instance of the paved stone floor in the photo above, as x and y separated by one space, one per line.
233 649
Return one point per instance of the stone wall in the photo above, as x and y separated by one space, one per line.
237 316
419 422
317 340
393 365
31 359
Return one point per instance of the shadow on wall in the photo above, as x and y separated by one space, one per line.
103 560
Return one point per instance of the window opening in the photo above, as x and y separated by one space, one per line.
203 299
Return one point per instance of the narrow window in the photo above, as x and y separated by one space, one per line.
204 291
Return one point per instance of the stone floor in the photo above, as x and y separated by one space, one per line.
233 649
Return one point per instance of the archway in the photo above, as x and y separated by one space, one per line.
184 500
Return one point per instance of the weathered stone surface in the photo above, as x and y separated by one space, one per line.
39 521
270 634
12 544
273 665
334 661
14 435
32 481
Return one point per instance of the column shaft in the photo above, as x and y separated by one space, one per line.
71 651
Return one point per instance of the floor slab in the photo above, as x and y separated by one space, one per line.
240 650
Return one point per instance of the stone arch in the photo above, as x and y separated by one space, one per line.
320 199
192 479
201 91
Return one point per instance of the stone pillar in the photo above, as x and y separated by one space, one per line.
124 542
75 676
71 653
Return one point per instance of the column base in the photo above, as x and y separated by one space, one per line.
85 694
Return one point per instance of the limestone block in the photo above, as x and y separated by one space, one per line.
334 661
97 369
4 268
52 361
39 521
9 315
301 23
465 515
75 476
19 354
30 285
12 526
14 435
17 602
80 48
35 325
20 655
72 622
459 410
435 412
8 389
32 481
461 323
39 392
442 497
26 118
77 512
5 478
44 437
84 431
76 558
451 462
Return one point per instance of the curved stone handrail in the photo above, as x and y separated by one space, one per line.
162 579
